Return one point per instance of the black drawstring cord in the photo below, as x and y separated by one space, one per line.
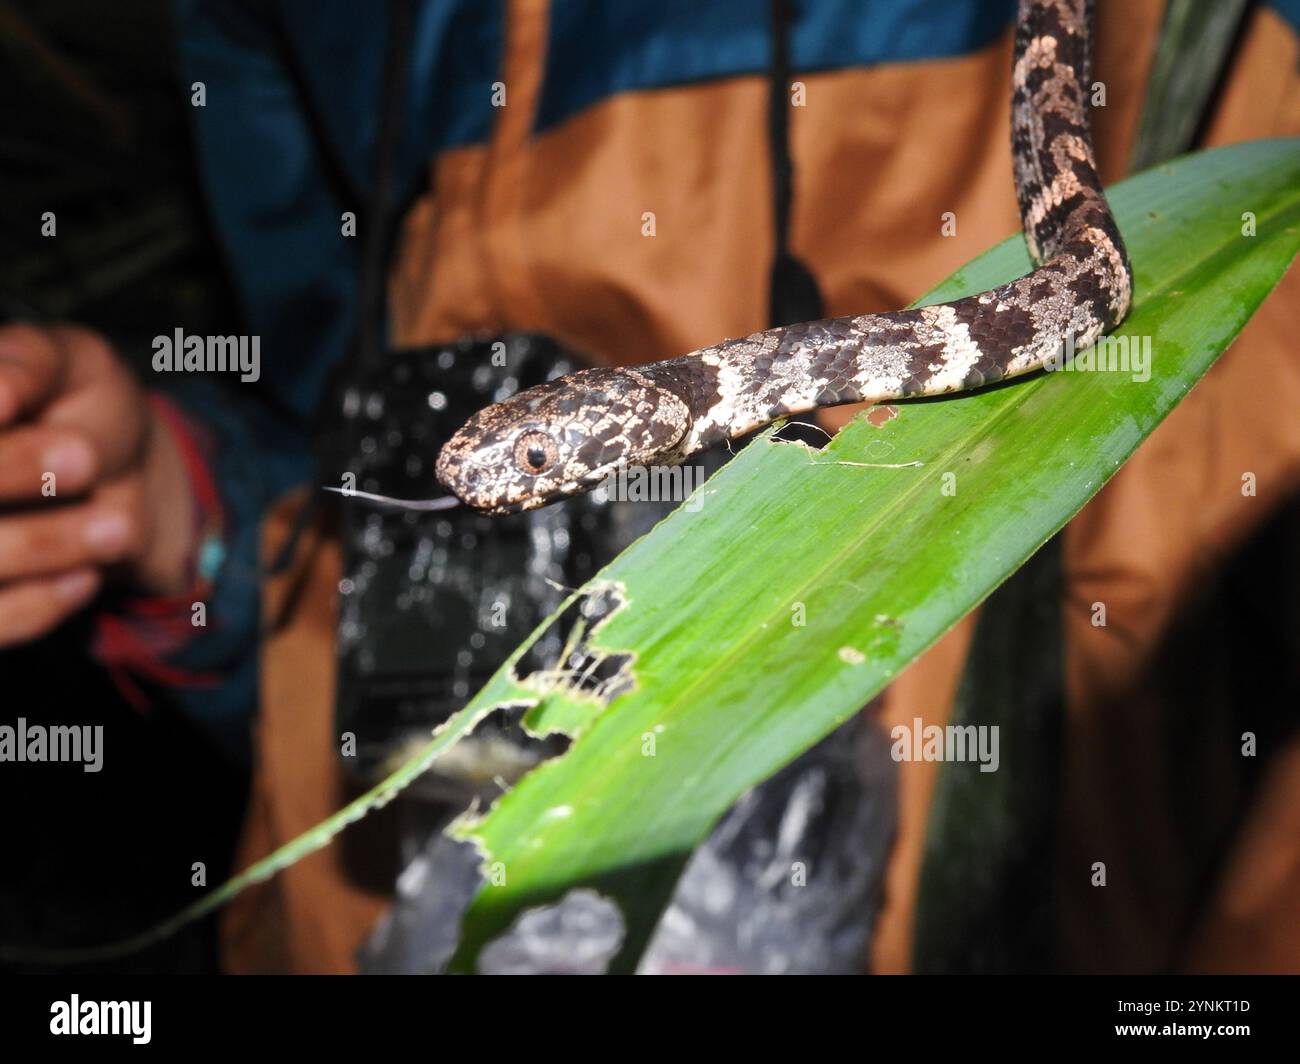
793 295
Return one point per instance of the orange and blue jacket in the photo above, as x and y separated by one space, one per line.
600 170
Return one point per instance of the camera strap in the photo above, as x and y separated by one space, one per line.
379 224
378 228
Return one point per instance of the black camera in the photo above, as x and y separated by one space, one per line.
432 603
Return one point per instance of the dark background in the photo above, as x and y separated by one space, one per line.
93 128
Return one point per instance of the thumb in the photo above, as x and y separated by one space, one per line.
99 399
31 369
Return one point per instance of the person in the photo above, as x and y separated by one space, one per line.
597 172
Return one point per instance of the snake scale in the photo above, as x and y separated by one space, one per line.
568 435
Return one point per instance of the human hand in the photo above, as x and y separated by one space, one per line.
92 486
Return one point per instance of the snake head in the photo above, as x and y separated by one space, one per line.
562 438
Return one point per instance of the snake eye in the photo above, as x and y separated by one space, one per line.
535 453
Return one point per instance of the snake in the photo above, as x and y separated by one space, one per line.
564 437
568 435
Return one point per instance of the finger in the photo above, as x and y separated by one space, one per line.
99 399
37 462
35 543
31 364
32 608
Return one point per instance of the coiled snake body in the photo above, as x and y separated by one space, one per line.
568 435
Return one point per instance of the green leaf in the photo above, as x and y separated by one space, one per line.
879 560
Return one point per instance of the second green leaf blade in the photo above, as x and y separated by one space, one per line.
876 558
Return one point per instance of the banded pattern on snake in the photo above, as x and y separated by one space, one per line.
566 436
